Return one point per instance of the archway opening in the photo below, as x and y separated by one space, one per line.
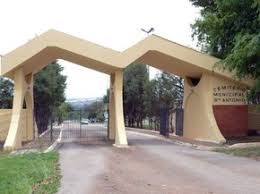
152 98
193 81
67 102
75 109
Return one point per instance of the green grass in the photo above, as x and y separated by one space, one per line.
251 152
29 173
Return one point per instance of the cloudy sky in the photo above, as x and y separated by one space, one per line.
114 23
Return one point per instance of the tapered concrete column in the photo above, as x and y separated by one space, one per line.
31 131
14 137
112 125
120 133
199 120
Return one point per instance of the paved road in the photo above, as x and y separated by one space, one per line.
151 165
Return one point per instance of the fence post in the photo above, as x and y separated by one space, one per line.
80 117
51 128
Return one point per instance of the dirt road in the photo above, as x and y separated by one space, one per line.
151 165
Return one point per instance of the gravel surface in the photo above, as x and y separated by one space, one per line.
43 142
151 165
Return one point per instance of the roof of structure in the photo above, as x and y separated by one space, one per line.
153 50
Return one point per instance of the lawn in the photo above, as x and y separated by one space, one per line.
250 152
29 173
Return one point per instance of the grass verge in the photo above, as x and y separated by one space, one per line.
250 152
29 173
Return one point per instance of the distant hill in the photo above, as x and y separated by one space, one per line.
80 102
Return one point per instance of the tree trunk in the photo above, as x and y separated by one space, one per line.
171 117
42 117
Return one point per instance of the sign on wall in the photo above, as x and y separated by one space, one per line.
227 93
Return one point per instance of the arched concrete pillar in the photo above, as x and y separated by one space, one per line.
116 109
111 127
14 137
214 109
31 131
199 121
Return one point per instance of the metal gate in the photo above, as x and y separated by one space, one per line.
77 127
72 125
164 121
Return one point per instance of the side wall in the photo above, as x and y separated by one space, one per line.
254 117
5 119
230 107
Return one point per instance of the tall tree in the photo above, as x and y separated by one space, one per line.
135 79
6 93
106 97
94 108
62 112
171 89
230 30
152 105
166 90
49 93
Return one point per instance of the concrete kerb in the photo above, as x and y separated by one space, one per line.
177 142
55 144
163 139
50 148
42 134
27 151
121 146
196 146
245 145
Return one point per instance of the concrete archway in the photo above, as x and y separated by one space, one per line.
214 88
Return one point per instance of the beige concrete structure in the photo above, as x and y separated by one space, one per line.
197 106
116 130
5 120
199 122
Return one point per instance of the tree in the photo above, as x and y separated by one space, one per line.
152 105
136 78
143 98
62 112
6 93
49 93
171 89
230 30
164 91
95 110
106 97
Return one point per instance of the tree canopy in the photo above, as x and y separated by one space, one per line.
95 110
136 78
230 30
49 93
143 98
6 93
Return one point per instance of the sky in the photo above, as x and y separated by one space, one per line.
115 24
